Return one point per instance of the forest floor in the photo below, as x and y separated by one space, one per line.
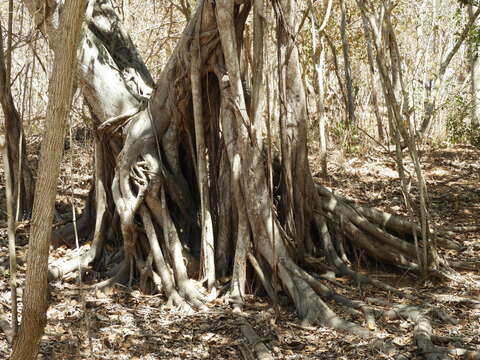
125 324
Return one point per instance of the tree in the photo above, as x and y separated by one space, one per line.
190 176
437 83
35 299
350 102
319 64
22 179
475 72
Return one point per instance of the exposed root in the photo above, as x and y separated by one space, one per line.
422 333
122 274
379 234
264 277
472 303
146 272
57 271
329 294
312 309
335 260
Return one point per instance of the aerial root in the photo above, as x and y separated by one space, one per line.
111 125
146 271
264 277
180 291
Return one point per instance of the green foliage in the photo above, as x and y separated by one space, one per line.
474 36
349 138
459 127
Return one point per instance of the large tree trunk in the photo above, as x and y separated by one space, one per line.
108 63
35 298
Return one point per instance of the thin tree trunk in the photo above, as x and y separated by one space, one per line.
23 184
396 98
11 233
438 84
373 86
337 72
8 59
319 65
207 241
35 298
475 74
347 68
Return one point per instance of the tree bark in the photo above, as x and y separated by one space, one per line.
207 242
347 67
438 84
21 175
373 86
474 73
10 203
35 299
319 55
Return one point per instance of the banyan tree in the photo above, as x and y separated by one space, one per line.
191 183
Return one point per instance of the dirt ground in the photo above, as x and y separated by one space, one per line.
125 324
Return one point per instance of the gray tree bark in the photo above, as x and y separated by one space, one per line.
21 175
347 67
319 56
474 73
35 298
